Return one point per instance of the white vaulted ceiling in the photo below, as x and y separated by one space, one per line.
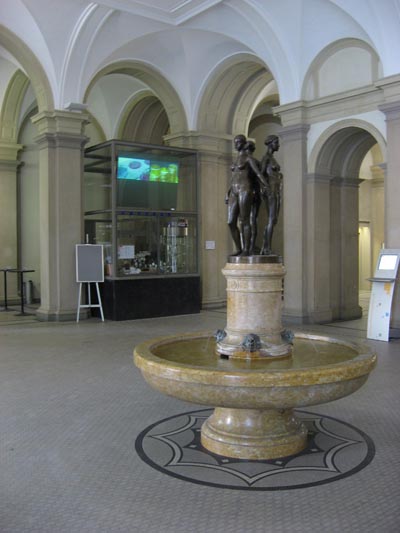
190 43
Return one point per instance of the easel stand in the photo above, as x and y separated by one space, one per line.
89 304
89 269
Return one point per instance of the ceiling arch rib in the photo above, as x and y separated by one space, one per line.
248 101
157 85
89 25
126 126
231 95
31 66
11 106
362 142
146 122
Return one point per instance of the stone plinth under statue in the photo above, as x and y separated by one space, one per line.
254 308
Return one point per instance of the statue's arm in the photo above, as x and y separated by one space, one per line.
255 168
264 164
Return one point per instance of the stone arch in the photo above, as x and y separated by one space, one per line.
368 61
10 109
31 66
264 112
158 87
349 139
231 94
144 119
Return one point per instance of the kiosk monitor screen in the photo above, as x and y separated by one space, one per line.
387 262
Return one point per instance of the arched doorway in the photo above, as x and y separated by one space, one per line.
333 203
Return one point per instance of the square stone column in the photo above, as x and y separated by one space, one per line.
377 211
319 265
295 257
344 249
60 140
392 181
391 109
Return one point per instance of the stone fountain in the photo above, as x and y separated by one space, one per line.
254 372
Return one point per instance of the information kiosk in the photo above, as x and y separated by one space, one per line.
383 284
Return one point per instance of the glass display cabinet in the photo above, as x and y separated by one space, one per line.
140 202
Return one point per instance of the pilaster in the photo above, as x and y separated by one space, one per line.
377 209
391 110
8 213
60 140
319 264
349 253
294 141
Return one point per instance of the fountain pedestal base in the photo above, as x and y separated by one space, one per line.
253 433
254 308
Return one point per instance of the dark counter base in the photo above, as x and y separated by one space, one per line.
128 299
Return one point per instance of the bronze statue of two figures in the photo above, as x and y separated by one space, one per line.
252 183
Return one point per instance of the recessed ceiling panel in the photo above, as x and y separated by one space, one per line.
169 11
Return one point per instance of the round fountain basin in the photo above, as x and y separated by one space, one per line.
321 369
254 399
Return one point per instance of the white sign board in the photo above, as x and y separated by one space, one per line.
89 263
126 252
383 284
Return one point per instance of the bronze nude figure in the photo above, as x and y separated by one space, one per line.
240 197
252 182
255 207
271 170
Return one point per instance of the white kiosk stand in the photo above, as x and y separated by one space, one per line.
383 284
89 269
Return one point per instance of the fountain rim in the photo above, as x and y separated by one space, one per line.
360 365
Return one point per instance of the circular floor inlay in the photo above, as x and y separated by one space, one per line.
335 450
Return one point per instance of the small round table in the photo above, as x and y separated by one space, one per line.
5 270
21 272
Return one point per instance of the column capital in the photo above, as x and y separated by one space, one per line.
390 87
9 151
292 114
66 123
391 110
378 171
347 182
214 143
294 132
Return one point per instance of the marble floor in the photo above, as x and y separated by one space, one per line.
87 446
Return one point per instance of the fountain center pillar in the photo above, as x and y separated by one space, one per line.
254 309
253 433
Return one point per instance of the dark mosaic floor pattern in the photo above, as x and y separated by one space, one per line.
335 450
